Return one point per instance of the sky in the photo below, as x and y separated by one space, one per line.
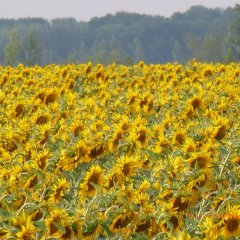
84 10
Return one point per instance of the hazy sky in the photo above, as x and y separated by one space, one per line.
86 9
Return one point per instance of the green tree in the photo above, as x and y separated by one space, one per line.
178 53
32 49
234 39
212 48
13 49
193 45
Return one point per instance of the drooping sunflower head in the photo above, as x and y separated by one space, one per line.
179 137
124 123
189 146
96 150
196 102
51 97
58 190
221 125
172 223
93 176
42 159
148 226
41 95
207 72
57 216
142 135
116 138
202 160
122 220
77 127
82 151
18 108
42 119
88 68
126 166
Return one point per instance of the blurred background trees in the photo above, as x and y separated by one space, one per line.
211 35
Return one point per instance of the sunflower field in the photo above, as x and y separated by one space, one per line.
120 152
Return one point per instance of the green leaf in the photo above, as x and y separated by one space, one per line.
198 138
105 227
140 237
40 225
153 155
89 228
4 213
60 227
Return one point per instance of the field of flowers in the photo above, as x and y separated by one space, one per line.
119 152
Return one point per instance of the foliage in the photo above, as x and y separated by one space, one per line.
235 36
125 38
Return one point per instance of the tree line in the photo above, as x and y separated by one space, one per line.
211 35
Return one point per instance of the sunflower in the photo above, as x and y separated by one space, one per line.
68 232
111 179
173 222
207 72
189 146
231 226
26 233
96 150
236 160
57 216
18 108
126 166
202 160
44 132
58 190
77 127
42 159
220 128
210 227
148 226
116 137
142 133
220 132
88 68
95 176
41 95
37 215
179 137
42 119
24 222
31 182
142 200
122 220
138 137
124 123
82 151
4 233
196 102
181 203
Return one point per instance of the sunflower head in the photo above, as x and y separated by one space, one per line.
126 166
196 102
122 220
51 97
231 227
202 160
179 137
94 176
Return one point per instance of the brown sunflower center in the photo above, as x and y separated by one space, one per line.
232 224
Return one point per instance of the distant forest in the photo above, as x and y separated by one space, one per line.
211 35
